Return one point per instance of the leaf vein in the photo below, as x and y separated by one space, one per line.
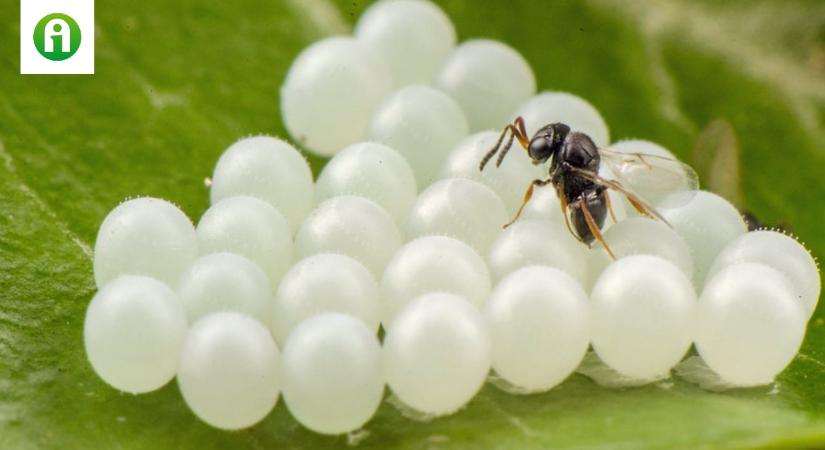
8 162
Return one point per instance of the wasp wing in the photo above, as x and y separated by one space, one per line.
652 177
636 201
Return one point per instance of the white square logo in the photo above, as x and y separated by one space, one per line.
57 36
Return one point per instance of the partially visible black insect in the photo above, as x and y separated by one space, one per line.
574 172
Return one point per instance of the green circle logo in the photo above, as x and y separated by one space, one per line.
57 37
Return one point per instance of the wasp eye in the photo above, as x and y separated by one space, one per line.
540 150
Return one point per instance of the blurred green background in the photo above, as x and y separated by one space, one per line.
177 82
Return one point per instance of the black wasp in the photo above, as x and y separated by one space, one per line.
575 163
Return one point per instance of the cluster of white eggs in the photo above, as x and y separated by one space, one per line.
284 283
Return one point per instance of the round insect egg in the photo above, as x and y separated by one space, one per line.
225 282
783 253
133 332
423 124
414 37
489 79
543 205
436 356
249 227
332 377
750 325
707 222
433 263
144 236
509 181
351 225
539 326
331 91
574 111
373 171
532 241
228 370
640 236
457 207
326 282
643 316
267 168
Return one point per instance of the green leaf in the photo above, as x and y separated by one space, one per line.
177 81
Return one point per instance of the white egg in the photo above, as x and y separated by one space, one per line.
510 181
331 91
643 316
783 253
640 236
414 37
373 171
133 332
144 236
707 222
249 227
457 207
489 79
532 241
574 111
332 374
351 225
433 263
228 370
423 124
326 282
225 282
543 205
267 168
437 354
750 324
540 327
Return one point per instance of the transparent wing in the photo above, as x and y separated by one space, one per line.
640 204
652 177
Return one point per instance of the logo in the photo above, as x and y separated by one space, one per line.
57 37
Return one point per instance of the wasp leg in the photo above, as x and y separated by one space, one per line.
591 224
610 207
527 196
519 124
563 204
640 208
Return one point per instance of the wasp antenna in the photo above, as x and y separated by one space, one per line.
517 131
495 148
505 150
487 158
